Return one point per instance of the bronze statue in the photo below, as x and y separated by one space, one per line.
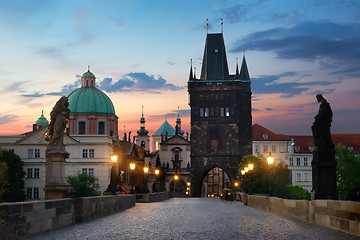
58 120
322 124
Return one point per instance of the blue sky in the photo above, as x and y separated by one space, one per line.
140 52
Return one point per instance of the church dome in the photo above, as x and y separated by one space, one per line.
88 74
42 121
91 100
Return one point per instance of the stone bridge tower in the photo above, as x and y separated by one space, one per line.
221 120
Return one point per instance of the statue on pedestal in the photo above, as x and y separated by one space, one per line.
56 185
324 163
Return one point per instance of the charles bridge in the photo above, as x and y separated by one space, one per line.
157 216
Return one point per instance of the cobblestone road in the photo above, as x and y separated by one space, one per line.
194 218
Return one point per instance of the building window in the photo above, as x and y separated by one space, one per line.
36 193
222 112
201 112
305 161
227 112
91 153
206 112
297 161
306 177
157 146
11 150
29 193
85 153
273 148
265 148
101 129
37 153
30 153
81 127
29 173
84 170
257 148
291 160
91 171
36 172
298 177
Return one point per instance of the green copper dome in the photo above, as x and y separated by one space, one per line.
88 74
42 121
91 100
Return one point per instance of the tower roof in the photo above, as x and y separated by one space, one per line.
214 66
165 127
244 73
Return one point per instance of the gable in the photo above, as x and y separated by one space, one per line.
37 137
176 140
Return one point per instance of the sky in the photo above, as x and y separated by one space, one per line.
140 53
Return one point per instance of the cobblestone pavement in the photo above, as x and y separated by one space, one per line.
194 218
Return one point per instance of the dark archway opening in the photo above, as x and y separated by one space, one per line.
214 183
178 186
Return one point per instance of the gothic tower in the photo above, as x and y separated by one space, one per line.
221 118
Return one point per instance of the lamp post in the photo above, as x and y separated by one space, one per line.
270 161
113 173
157 171
188 188
176 177
243 179
145 188
251 167
132 168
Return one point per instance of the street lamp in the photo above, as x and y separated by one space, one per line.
176 177
145 188
251 167
113 173
132 168
270 161
157 172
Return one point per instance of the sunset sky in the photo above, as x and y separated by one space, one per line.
140 53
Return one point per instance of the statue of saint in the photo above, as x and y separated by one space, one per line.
322 124
58 120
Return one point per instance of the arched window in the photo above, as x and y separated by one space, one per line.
142 144
101 128
81 127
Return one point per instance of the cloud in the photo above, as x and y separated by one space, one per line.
82 27
268 84
117 22
5 119
137 82
269 109
254 110
51 52
170 63
335 46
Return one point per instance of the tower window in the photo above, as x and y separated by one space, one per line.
201 112
142 144
206 112
222 112
81 127
101 129
227 112
216 50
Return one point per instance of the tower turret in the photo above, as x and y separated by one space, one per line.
143 139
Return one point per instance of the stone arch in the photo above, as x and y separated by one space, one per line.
180 186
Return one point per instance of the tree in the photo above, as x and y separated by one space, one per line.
296 192
84 185
347 173
261 176
3 180
14 192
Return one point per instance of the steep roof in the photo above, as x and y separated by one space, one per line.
244 73
165 127
214 66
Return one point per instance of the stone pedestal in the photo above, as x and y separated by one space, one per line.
56 185
324 174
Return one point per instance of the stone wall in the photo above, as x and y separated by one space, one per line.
339 215
152 197
24 219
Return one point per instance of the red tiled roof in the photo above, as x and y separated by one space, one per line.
259 131
304 142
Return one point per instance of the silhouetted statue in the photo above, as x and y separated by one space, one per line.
58 120
322 124
324 162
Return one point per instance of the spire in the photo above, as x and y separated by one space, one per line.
142 131
237 68
207 26
214 65
244 73
194 71
191 77
178 130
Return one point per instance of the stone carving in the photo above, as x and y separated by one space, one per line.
58 120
